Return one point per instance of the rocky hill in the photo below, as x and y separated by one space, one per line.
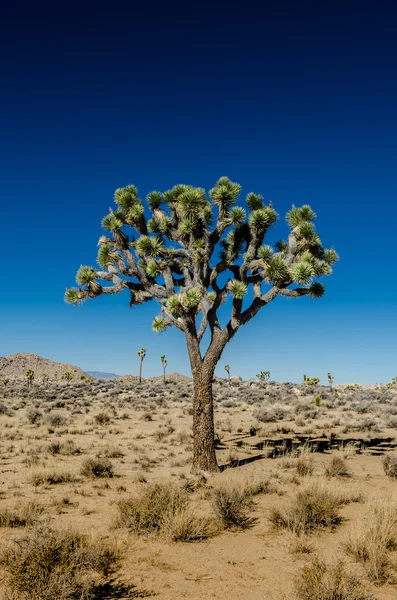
14 367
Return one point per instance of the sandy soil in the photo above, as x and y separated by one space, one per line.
149 439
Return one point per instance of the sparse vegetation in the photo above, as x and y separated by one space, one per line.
47 565
231 506
22 515
97 468
373 542
337 467
314 507
389 463
321 581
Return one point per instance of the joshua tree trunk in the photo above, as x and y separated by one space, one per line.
204 457
140 370
164 368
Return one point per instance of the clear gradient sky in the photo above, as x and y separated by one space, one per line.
294 100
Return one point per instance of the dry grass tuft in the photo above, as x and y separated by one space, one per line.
231 507
389 463
319 581
51 477
186 525
315 506
48 564
22 516
97 467
371 543
337 468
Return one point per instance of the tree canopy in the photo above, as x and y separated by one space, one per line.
189 251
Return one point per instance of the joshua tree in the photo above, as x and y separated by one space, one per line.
30 376
141 353
190 255
68 376
227 369
5 382
45 377
310 380
164 363
263 376
330 380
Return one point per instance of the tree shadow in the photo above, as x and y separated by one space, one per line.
114 590
243 461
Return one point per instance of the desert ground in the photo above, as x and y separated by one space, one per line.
306 495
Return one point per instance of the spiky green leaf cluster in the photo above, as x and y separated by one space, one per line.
149 246
126 197
159 324
154 199
152 268
237 215
317 290
238 289
254 201
265 252
85 275
277 271
72 296
262 218
113 221
297 216
301 272
225 193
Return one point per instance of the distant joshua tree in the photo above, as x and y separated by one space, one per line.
263 376
310 380
141 353
68 376
45 377
164 363
227 369
195 251
330 380
5 382
30 376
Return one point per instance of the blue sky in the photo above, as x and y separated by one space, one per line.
294 102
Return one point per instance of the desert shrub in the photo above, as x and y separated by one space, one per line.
320 581
56 419
97 467
102 418
67 448
337 468
153 509
269 415
51 477
54 447
314 507
3 409
304 465
389 463
33 415
21 516
111 453
231 507
186 525
229 403
49 565
371 543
